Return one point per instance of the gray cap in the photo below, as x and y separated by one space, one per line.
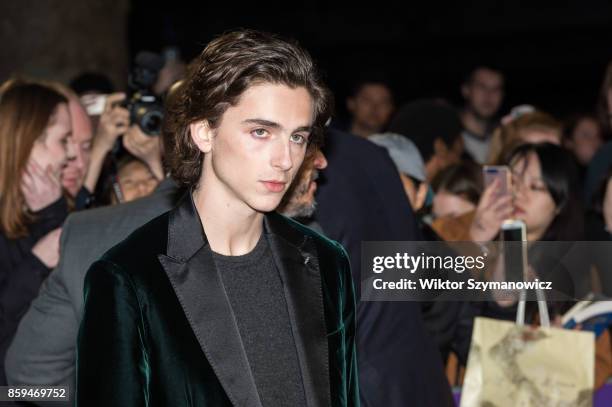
403 152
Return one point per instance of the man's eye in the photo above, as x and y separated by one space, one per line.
259 133
298 138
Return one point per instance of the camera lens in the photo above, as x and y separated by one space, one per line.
151 122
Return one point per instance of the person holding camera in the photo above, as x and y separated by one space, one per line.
115 122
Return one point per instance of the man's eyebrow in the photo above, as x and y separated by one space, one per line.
263 122
274 125
303 128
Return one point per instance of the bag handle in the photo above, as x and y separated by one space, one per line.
541 298
542 309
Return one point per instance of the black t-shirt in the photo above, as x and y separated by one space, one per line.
256 294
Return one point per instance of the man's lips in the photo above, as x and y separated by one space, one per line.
274 186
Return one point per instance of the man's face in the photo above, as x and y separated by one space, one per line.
371 107
300 199
586 140
73 174
253 155
484 93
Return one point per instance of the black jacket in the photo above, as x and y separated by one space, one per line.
361 198
158 329
22 273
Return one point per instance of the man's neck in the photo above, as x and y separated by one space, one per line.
361 131
231 227
474 124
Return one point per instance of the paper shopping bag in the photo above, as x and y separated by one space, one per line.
516 365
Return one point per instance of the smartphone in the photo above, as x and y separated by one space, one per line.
492 172
94 103
514 240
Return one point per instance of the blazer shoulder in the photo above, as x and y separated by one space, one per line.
136 213
323 243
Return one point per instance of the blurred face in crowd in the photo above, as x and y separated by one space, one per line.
254 153
371 107
300 199
446 204
484 93
443 156
52 148
536 136
73 174
585 140
533 203
136 180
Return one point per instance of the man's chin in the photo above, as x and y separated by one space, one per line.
484 116
302 209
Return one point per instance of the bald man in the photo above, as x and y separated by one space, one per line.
73 175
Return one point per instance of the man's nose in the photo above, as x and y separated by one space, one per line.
75 156
281 156
71 151
320 162
142 188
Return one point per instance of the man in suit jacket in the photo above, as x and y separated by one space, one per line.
399 363
222 301
44 348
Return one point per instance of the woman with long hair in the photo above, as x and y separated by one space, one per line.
34 131
544 198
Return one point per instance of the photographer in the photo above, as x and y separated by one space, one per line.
114 121
137 116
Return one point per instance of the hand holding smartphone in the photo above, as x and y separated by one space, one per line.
490 173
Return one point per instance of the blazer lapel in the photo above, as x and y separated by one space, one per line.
296 259
198 286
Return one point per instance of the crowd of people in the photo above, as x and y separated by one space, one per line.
74 182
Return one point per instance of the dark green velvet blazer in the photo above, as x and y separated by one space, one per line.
158 329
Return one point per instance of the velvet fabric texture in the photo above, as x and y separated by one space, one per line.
158 329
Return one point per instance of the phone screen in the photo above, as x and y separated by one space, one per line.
513 237
492 172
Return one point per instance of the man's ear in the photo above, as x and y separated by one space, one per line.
465 90
202 135
350 104
421 195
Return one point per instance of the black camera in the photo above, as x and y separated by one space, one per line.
145 107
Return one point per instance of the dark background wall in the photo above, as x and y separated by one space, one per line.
553 53
57 39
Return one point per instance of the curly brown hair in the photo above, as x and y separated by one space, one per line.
217 78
